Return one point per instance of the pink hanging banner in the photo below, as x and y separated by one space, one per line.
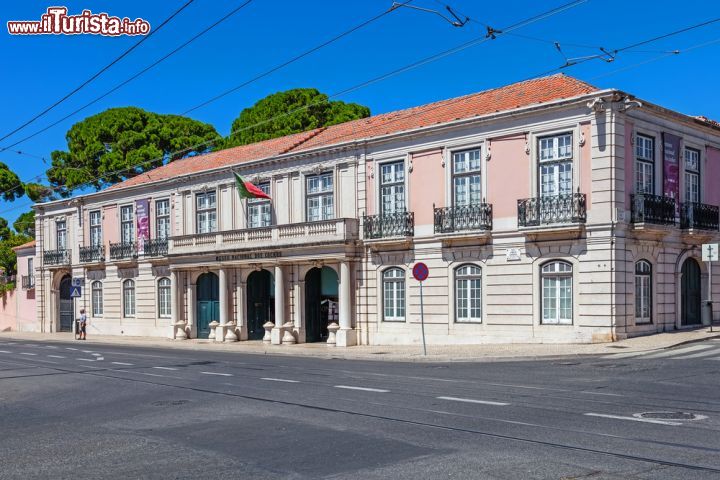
142 216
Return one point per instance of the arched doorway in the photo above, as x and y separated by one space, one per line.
208 303
321 307
690 294
260 303
66 305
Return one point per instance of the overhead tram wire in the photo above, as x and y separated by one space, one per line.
138 74
416 64
100 72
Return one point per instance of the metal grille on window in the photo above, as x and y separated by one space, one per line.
468 294
320 197
206 214
557 293
97 299
643 291
392 189
127 224
164 307
394 295
128 298
259 209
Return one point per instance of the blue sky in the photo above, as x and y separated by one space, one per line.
38 70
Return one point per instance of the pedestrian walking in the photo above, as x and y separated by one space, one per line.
83 324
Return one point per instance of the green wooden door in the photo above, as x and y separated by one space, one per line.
690 293
259 303
208 303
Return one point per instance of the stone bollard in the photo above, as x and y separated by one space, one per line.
179 331
213 326
332 334
288 336
230 335
268 326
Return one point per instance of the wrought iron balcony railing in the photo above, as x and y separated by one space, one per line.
28 282
93 253
56 257
465 217
123 251
656 209
398 224
699 216
570 208
156 247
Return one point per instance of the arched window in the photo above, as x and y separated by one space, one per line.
393 280
128 298
164 304
97 299
557 297
468 294
643 291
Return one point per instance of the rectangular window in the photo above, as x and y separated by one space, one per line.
97 299
31 267
164 297
555 165
95 228
392 187
644 165
127 224
205 212
467 188
259 214
692 175
61 234
319 197
162 219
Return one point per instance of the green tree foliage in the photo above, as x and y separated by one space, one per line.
38 192
111 144
8 240
5 232
25 224
11 187
320 112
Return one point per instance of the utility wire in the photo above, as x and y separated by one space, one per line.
138 74
100 72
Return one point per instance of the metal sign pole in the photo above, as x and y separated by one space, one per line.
422 320
709 301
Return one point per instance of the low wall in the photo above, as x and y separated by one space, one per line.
17 311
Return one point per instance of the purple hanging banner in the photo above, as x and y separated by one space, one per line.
671 166
142 216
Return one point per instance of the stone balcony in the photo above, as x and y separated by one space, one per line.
293 235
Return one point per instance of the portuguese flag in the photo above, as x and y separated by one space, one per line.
248 190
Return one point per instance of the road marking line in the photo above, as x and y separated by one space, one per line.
86 359
216 373
4 351
269 379
70 348
705 353
99 358
87 351
50 346
27 353
633 419
165 368
603 393
56 356
680 351
95 354
122 363
471 400
364 389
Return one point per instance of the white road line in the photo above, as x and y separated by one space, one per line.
70 348
99 358
364 389
680 351
122 363
706 353
56 356
471 400
633 419
27 353
604 393
165 368
269 379
4 351
216 373
50 346
95 354
86 359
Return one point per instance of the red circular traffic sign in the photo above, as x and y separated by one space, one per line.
420 271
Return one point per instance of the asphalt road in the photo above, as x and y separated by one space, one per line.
84 410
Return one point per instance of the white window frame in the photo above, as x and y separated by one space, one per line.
259 211
466 176
129 298
95 223
162 220
644 153
465 281
129 221
560 276
164 296
96 299
692 172
323 195
206 215
394 283
555 157
394 184
61 234
643 292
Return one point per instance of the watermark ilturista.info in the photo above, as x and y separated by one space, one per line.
56 21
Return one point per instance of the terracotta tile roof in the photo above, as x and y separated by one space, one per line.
523 94
29 244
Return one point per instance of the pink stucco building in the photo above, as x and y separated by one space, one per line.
548 211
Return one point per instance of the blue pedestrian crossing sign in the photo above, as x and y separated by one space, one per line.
75 292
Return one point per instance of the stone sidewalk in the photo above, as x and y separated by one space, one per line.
435 353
